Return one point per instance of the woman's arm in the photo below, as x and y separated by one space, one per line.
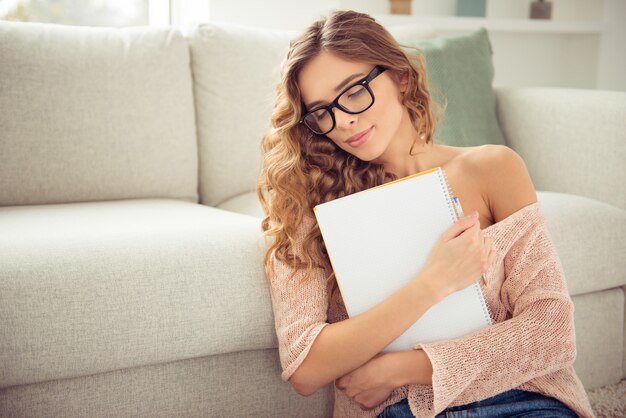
372 383
410 367
354 341
389 370
314 353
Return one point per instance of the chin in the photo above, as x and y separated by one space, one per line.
373 156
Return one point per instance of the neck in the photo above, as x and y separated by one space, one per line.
396 157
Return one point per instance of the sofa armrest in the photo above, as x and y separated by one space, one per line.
572 140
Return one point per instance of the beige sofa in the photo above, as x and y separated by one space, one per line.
131 279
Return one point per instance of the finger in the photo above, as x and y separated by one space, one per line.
351 393
473 232
370 399
364 402
461 226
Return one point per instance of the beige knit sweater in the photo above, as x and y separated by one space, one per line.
530 346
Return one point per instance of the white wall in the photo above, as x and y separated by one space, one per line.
581 47
276 14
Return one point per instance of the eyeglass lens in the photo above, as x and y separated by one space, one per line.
355 100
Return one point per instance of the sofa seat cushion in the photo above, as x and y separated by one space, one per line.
589 238
99 286
588 235
244 203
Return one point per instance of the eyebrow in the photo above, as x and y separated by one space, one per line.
339 87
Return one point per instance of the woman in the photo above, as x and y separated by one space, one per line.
353 111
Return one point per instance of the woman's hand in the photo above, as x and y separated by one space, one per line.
461 255
372 383
369 385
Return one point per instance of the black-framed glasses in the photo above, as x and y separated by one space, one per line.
354 99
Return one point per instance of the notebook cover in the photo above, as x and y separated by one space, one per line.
379 239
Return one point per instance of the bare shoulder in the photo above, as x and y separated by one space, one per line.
506 185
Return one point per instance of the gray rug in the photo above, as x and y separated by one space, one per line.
609 401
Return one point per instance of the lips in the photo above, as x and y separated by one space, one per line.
358 136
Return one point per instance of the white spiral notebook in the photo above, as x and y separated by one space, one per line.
379 239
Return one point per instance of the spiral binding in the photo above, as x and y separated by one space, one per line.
443 178
483 302
451 196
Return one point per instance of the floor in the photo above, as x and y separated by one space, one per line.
609 401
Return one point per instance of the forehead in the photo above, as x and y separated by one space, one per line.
321 75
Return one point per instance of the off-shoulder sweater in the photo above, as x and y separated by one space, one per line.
531 344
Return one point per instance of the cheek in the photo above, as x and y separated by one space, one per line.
388 98
389 111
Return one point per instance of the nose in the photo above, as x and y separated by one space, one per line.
344 120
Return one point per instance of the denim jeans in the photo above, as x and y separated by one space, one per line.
512 403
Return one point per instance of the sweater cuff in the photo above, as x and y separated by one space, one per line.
291 368
446 374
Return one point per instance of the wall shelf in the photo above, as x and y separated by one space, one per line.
496 25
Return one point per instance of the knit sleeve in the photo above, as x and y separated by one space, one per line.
537 337
300 308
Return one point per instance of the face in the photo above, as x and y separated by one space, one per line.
326 75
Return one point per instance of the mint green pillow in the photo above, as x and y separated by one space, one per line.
460 68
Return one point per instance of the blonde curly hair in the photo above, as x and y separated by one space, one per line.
300 169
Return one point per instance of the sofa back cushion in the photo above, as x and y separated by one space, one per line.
460 69
235 71
95 114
